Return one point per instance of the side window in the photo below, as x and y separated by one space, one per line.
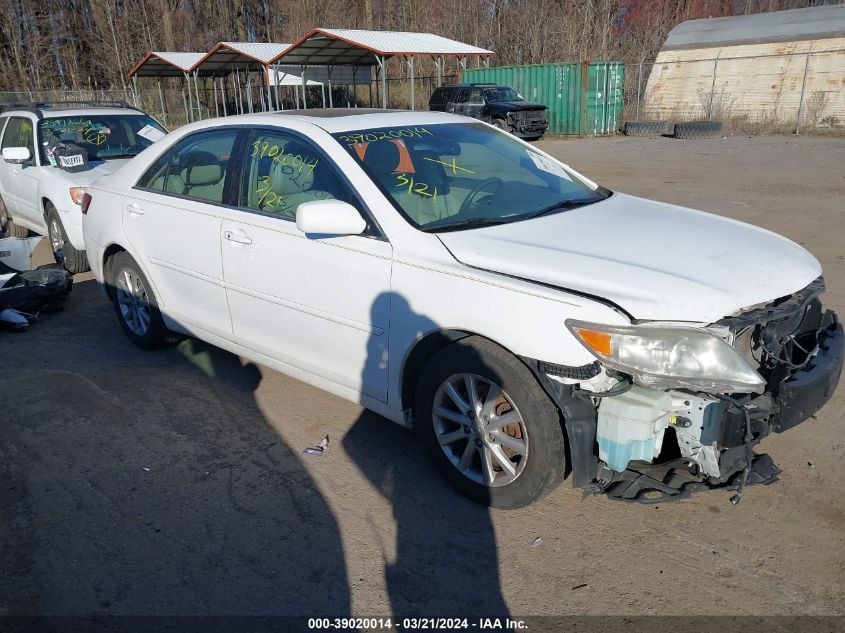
19 134
440 95
195 168
281 172
461 96
475 97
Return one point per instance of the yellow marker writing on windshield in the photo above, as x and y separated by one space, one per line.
453 165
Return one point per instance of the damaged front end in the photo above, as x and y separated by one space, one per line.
638 435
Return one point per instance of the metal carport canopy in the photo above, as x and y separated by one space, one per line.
356 47
224 55
352 47
165 64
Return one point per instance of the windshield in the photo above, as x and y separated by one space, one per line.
103 137
502 94
458 175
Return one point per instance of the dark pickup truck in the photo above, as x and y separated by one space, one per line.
502 106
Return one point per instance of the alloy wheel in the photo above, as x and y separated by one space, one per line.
480 429
57 240
133 301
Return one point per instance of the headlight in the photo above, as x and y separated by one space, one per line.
669 357
76 194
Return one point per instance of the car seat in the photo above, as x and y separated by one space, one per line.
382 159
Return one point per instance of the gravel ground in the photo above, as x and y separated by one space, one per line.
174 482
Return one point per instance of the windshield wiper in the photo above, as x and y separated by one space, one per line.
566 205
463 224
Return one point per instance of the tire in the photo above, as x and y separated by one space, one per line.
131 306
535 423
5 220
8 228
74 261
646 128
698 129
502 125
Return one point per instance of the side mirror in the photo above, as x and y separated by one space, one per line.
16 154
329 217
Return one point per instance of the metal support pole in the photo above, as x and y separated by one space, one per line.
382 64
190 116
713 88
161 100
304 84
323 93
240 94
185 103
276 81
248 72
216 104
330 67
135 89
224 95
413 87
354 84
370 85
803 85
197 93
265 80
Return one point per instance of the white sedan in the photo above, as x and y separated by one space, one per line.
524 320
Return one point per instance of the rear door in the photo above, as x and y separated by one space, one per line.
172 220
319 304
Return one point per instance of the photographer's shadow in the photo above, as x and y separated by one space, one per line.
446 555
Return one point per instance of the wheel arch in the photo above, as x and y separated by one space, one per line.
110 251
423 350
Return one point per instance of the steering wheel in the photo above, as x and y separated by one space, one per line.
469 201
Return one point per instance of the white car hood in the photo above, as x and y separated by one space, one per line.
99 169
657 261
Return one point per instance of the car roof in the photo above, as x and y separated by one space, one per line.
57 111
334 120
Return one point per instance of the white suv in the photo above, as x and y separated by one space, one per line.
458 280
50 153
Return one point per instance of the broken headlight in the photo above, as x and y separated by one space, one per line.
669 357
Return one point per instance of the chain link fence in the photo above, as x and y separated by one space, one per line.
798 92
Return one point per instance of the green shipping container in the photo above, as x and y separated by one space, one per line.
583 99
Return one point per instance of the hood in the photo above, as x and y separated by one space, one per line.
98 169
656 261
515 106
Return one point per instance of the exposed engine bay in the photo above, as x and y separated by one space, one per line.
637 443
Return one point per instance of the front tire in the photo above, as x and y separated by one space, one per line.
134 303
490 429
7 226
73 260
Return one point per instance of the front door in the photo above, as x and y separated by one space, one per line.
19 185
318 304
172 220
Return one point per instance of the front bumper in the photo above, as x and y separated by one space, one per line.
807 390
714 447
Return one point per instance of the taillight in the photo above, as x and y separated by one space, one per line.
86 201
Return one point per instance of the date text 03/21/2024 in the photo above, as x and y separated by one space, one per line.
422 624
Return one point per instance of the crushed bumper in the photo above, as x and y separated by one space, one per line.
720 454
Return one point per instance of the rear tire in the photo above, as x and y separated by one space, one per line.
698 129
74 261
135 304
507 450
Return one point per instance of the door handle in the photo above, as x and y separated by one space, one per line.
237 237
134 209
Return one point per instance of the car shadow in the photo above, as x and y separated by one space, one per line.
151 483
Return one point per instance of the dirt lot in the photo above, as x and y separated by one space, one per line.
174 482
